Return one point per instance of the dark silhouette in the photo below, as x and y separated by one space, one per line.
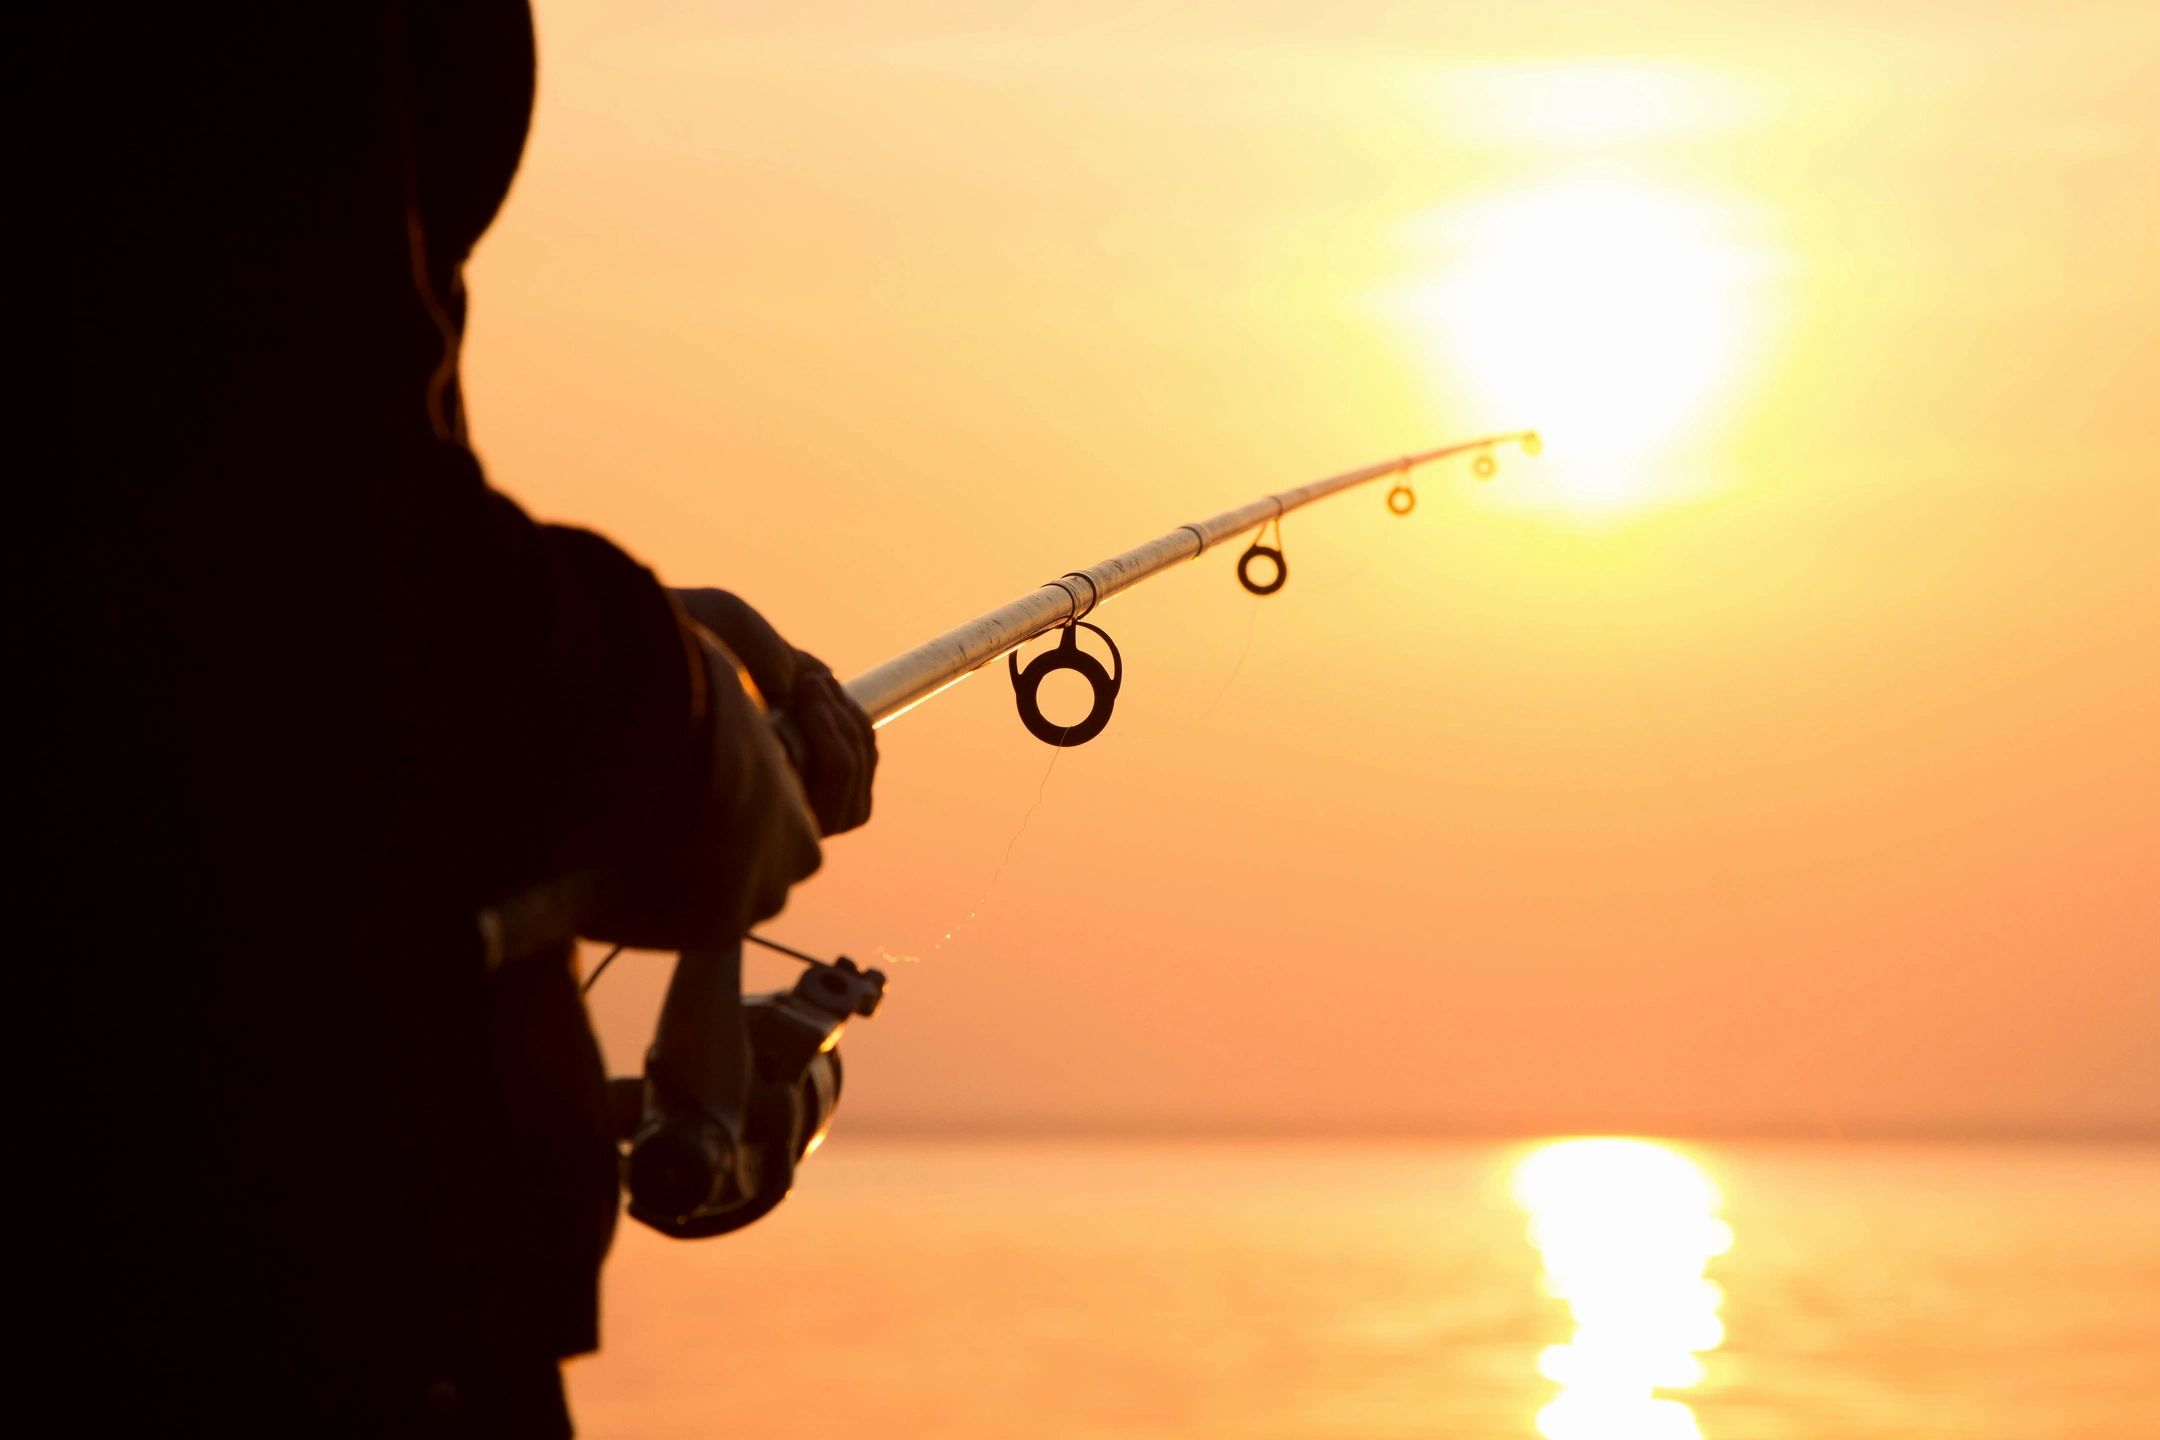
321 696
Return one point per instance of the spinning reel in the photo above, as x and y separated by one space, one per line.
709 1148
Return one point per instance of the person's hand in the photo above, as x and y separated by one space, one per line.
839 759
738 845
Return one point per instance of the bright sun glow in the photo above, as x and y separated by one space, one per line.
1609 313
1626 1229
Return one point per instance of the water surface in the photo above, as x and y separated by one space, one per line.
1342 1291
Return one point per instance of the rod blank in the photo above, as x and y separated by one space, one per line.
905 681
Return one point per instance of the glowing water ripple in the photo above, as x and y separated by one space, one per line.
1627 1229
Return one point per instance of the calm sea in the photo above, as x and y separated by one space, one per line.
1601 1291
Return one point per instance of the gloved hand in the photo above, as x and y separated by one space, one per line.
728 860
840 748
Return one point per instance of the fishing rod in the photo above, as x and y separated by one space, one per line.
888 691
708 1154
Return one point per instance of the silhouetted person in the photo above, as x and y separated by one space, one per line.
321 696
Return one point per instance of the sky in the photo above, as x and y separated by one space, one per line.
1777 751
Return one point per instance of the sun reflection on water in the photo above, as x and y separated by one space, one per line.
1626 1229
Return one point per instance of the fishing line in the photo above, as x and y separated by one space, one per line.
884 954
1029 814
997 874
1252 629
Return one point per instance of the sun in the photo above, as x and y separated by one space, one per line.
1612 314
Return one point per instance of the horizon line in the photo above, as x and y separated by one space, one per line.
2131 1132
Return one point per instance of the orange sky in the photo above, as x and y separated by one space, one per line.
1780 750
